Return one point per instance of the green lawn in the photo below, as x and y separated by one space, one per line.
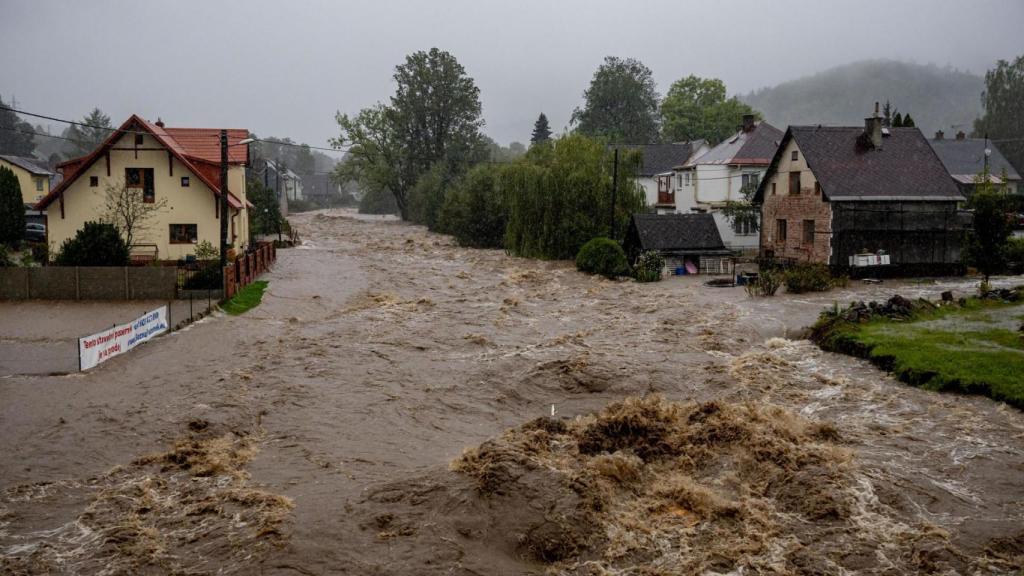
975 349
246 298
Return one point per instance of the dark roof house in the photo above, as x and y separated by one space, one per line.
28 164
753 145
831 193
674 235
849 167
661 158
964 159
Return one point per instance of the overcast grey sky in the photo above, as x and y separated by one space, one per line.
284 68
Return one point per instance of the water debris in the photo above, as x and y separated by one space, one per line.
648 486
185 511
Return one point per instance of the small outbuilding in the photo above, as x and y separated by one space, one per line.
690 243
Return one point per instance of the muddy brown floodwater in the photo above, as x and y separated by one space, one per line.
388 410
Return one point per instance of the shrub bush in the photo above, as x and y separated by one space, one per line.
602 256
808 278
205 250
41 252
1015 254
473 210
5 258
767 283
96 244
649 266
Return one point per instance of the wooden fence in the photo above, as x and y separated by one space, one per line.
247 267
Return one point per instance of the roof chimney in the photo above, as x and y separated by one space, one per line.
960 135
940 135
159 122
873 131
748 122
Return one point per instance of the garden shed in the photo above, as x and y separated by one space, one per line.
690 243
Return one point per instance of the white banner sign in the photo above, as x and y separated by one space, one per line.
105 345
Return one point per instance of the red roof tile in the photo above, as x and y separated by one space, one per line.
204 143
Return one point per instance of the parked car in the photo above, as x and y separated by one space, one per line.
35 232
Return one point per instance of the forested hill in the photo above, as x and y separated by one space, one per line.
937 98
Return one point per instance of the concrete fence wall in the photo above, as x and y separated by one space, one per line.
88 283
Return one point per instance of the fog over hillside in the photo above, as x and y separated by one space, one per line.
937 97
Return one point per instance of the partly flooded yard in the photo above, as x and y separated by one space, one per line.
401 405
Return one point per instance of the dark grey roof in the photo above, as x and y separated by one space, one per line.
967 157
661 158
904 168
678 232
756 147
26 164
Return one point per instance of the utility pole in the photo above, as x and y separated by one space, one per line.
615 187
223 199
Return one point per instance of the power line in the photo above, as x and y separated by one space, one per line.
123 131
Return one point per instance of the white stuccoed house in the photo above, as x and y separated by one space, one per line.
707 181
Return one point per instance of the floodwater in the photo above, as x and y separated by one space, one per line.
315 434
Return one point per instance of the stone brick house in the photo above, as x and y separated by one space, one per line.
833 192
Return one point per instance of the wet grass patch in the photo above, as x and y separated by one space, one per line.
246 298
974 347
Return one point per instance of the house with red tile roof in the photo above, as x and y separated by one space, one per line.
177 168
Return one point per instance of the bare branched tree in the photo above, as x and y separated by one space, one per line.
127 209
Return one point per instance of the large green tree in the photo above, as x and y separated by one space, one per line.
12 210
96 129
541 130
621 104
434 116
1003 102
15 133
698 108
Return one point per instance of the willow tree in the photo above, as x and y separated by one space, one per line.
560 196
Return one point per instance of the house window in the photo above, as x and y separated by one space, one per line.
142 179
794 156
773 188
744 227
794 183
184 182
39 184
780 230
751 180
679 180
138 140
817 188
94 181
687 179
809 232
184 233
